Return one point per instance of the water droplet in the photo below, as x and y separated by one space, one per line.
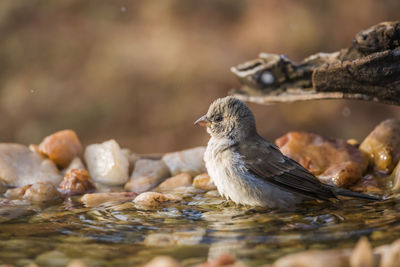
267 77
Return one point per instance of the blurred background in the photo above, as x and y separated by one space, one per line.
143 71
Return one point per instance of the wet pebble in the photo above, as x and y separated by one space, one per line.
203 182
96 199
41 193
333 161
383 145
154 199
162 261
76 182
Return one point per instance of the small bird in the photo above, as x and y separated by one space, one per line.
250 170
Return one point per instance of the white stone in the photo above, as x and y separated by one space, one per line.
107 164
20 167
190 161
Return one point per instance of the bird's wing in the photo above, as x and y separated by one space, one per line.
267 162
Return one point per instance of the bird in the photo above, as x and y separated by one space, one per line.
249 170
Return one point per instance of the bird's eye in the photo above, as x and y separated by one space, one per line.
218 118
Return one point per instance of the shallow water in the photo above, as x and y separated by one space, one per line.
193 231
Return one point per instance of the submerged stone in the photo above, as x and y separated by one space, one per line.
107 163
154 199
333 161
383 145
147 174
61 147
96 199
190 161
20 167
163 261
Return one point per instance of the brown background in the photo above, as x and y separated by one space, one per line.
142 71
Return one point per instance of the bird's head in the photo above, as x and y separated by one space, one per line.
228 117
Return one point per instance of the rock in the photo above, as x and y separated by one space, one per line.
383 145
76 163
96 199
395 176
180 180
362 255
154 199
76 182
333 161
20 167
222 260
190 161
146 175
367 184
76 263
310 258
16 193
390 254
107 164
132 158
41 192
203 182
52 258
162 261
61 147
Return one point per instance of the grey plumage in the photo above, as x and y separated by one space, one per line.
250 170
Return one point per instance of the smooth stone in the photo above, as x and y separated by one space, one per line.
389 254
333 161
190 161
162 261
41 192
180 180
362 255
146 175
20 167
52 258
96 199
107 164
309 258
61 147
383 145
204 182
132 158
76 182
155 199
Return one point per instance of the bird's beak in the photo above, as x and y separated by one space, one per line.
203 121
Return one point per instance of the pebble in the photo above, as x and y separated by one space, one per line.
190 161
61 147
20 167
382 145
155 199
41 193
147 175
96 199
203 182
107 164
390 254
163 261
76 182
132 158
310 258
76 163
362 255
180 180
333 161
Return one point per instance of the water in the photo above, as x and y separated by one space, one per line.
199 228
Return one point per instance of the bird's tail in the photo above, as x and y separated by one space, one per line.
349 193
